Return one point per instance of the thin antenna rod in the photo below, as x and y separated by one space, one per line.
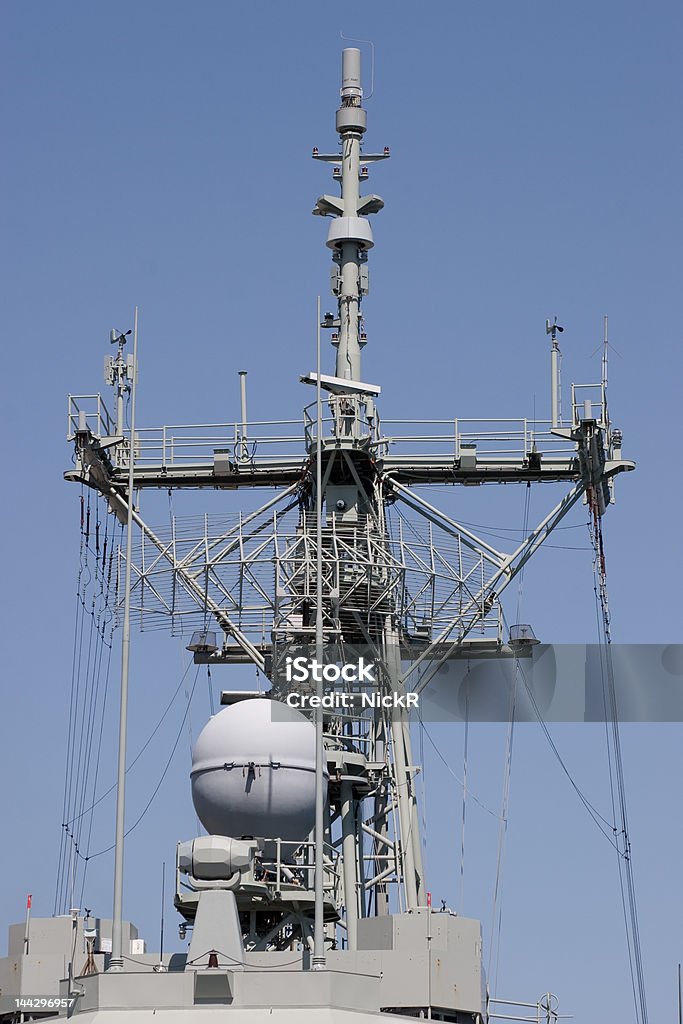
243 454
161 936
116 962
605 351
680 1001
27 926
318 963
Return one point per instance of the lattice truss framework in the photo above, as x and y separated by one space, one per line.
261 572
255 574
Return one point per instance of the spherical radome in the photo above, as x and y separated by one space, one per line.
253 772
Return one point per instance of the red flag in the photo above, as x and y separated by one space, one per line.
28 901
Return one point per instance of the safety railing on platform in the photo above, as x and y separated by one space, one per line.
283 869
88 412
266 441
183 444
499 438
346 418
589 402
286 867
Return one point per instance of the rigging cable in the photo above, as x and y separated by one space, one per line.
497 910
88 693
423 805
143 748
97 586
63 846
66 862
91 817
606 827
156 789
616 768
212 704
100 622
107 630
449 769
464 790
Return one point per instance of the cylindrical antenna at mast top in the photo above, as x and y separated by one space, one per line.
351 82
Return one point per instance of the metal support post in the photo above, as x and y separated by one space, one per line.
348 353
348 818
380 815
412 867
318 960
116 962
243 453
555 387
415 832
27 925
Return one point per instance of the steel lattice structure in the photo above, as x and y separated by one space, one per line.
398 574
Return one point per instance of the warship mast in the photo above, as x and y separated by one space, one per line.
312 865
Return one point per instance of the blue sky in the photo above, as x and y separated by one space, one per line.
159 154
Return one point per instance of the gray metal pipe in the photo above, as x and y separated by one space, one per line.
243 414
318 958
116 962
349 851
351 83
555 385
405 817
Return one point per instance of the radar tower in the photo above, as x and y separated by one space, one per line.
400 590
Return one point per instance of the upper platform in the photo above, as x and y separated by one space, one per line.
276 453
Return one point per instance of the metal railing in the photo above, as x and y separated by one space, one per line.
589 401
183 444
302 868
542 1012
89 412
288 868
346 419
264 442
499 438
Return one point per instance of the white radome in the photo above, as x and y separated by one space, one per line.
253 772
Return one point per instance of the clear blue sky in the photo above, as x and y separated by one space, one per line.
159 153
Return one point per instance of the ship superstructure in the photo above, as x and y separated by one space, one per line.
306 899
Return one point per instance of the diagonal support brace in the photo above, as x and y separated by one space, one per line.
193 588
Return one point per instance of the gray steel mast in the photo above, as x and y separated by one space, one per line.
324 563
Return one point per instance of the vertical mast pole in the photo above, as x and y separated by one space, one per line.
120 385
318 962
350 837
555 389
243 454
400 738
605 359
555 384
605 351
27 925
116 962
161 923
351 120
